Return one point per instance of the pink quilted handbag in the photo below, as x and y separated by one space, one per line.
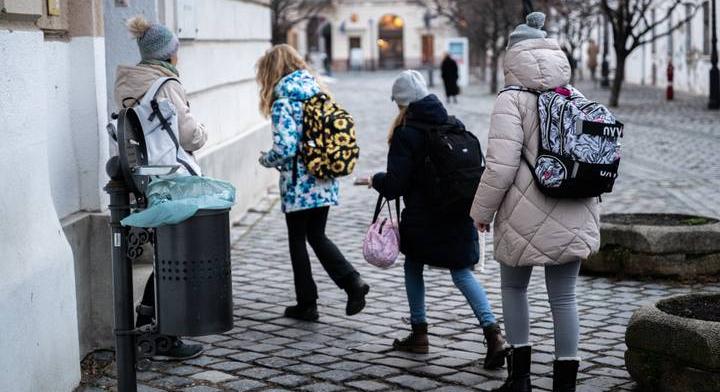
381 245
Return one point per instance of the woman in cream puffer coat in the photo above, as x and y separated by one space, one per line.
532 229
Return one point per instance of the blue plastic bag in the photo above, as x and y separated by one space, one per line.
173 200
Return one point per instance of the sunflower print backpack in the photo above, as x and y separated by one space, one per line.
329 148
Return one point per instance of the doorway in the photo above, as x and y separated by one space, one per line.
428 49
390 42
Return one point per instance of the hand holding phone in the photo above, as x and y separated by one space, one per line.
359 181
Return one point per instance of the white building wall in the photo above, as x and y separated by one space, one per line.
217 68
691 66
76 106
38 321
366 27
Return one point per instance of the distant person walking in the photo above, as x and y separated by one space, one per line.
429 235
532 229
158 50
450 74
286 82
592 62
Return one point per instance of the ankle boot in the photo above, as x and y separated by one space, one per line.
304 312
518 364
565 375
356 290
495 356
417 342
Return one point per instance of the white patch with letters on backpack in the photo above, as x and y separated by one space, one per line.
579 144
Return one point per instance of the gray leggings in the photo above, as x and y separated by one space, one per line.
560 283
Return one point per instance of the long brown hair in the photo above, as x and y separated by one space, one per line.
276 63
399 121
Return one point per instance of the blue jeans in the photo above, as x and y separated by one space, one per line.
463 279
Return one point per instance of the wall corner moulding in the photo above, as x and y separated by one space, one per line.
21 9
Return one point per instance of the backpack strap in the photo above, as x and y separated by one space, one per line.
519 88
154 89
149 99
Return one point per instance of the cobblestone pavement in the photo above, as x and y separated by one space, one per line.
266 352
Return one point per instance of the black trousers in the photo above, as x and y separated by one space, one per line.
309 226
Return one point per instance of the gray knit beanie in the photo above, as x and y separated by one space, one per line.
155 41
532 29
409 87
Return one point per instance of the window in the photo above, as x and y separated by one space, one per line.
706 27
354 42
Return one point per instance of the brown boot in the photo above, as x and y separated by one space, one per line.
495 356
417 342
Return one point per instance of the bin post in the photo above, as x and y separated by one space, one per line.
125 348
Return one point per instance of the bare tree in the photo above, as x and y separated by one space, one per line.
574 17
633 27
486 23
287 13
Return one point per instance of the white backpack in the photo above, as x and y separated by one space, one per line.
159 121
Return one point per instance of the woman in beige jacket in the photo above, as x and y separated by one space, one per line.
532 229
158 49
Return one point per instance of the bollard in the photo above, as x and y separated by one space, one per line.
670 93
122 279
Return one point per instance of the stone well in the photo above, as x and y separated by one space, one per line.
674 345
657 245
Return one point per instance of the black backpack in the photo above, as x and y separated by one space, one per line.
453 165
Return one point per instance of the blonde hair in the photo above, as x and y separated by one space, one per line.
399 121
277 62
137 26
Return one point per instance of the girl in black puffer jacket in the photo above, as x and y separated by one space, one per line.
426 236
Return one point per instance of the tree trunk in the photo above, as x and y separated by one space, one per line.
619 79
494 60
279 35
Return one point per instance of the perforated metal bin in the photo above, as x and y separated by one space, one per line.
192 275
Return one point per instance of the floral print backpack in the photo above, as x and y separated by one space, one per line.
328 148
579 144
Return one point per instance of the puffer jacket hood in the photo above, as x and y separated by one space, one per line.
530 228
537 64
297 86
428 110
132 81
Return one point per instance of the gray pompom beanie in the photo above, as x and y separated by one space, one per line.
155 41
409 87
532 29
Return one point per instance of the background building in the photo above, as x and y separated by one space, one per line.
688 48
58 66
375 34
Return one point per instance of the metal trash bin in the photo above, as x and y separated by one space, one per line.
192 275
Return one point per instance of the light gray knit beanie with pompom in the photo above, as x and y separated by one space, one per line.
155 41
531 29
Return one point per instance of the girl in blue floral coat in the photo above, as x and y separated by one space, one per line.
285 84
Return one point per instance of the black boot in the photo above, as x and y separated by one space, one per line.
565 375
304 312
356 290
495 356
417 342
518 371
